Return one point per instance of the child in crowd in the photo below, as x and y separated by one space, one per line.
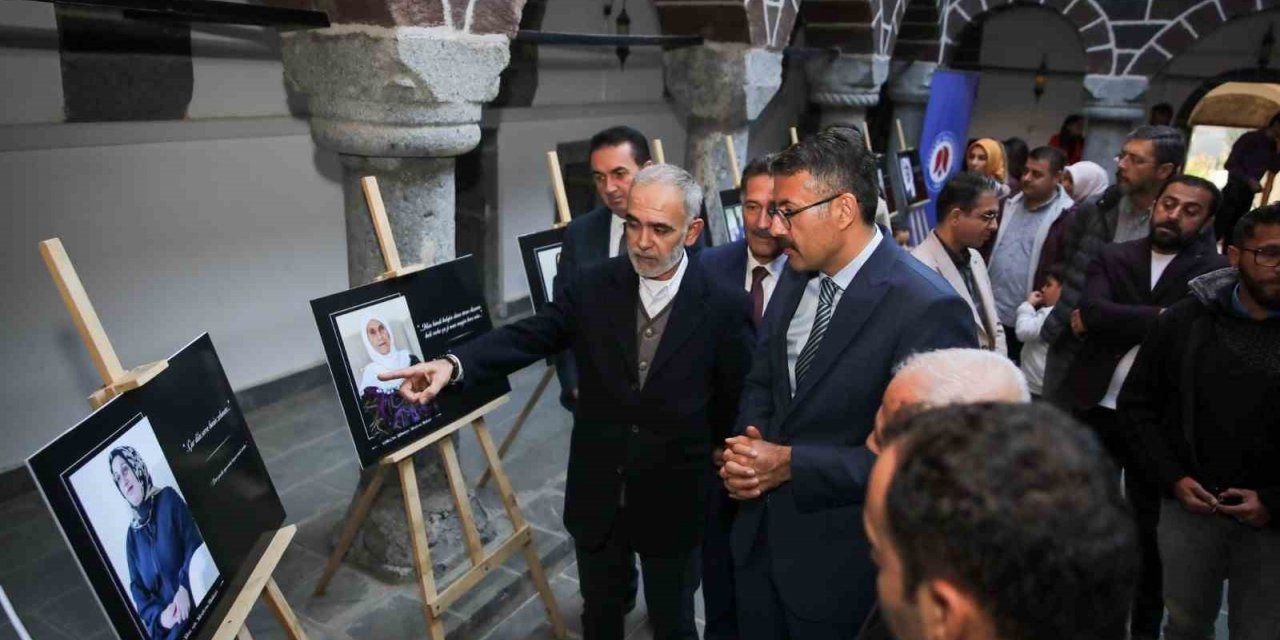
1031 316
901 234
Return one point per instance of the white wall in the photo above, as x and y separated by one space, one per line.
229 223
1006 105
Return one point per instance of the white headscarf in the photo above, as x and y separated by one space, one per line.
381 363
1088 179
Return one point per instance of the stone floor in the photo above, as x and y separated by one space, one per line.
313 464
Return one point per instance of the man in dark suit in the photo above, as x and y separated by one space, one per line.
663 350
851 306
617 155
1127 287
753 264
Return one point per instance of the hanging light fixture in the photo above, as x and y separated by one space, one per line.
1042 77
624 29
1264 51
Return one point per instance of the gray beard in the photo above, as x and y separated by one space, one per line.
659 270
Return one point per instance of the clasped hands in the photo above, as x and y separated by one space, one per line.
178 611
750 465
1196 499
423 381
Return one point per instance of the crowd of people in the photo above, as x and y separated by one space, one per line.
1057 416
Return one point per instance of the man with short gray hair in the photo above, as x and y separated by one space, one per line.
945 377
662 349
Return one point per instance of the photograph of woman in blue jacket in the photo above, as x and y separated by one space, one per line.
160 544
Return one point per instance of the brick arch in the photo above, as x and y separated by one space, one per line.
1090 20
759 23
1184 29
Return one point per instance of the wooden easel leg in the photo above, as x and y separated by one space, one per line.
457 485
520 420
517 522
282 611
421 548
244 634
356 514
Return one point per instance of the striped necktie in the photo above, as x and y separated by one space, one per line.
826 305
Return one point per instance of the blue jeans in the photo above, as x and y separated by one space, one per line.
1199 552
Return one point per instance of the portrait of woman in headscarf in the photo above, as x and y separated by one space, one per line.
385 410
160 544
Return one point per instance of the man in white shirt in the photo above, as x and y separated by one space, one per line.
1127 287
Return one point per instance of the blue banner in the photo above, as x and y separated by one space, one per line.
942 140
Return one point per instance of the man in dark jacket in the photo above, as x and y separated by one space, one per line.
1203 398
1252 156
1150 156
1129 286
663 350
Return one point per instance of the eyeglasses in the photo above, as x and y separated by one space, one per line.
986 218
1265 257
787 214
1133 158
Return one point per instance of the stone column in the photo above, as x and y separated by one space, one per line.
719 88
399 103
1113 107
846 86
909 91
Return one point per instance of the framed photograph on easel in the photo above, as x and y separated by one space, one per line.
540 253
392 324
164 499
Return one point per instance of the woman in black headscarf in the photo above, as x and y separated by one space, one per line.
162 538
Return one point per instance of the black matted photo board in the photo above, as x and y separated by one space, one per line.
884 184
393 324
913 189
541 255
164 499
731 204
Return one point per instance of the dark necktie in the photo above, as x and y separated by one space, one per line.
622 243
826 304
758 275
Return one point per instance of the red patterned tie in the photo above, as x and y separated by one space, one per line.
757 293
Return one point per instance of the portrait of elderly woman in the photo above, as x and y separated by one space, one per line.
385 349
163 548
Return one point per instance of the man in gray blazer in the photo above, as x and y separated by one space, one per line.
967 216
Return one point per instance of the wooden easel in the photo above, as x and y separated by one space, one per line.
117 381
658 153
562 219
434 602
733 161
795 136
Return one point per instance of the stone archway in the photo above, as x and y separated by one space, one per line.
1088 17
1183 29
1183 116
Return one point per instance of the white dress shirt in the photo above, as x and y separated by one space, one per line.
655 295
616 229
802 321
770 282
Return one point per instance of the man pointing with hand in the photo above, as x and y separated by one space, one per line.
662 350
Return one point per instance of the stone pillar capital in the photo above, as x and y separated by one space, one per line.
847 80
1115 98
394 91
727 84
911 86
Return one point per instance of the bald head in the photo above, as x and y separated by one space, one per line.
952 376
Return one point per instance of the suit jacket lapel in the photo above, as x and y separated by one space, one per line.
947 269
687 312
1176 272
598 248
855 307
623 314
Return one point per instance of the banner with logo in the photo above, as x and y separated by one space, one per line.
942 141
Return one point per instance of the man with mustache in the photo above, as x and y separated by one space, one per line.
1149 157
1204 399
850 306
663 349
968 215
1128 286
754 264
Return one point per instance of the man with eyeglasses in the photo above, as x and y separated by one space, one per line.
1028 218
1128 287
1204 398
1151 154
968 214
849 308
